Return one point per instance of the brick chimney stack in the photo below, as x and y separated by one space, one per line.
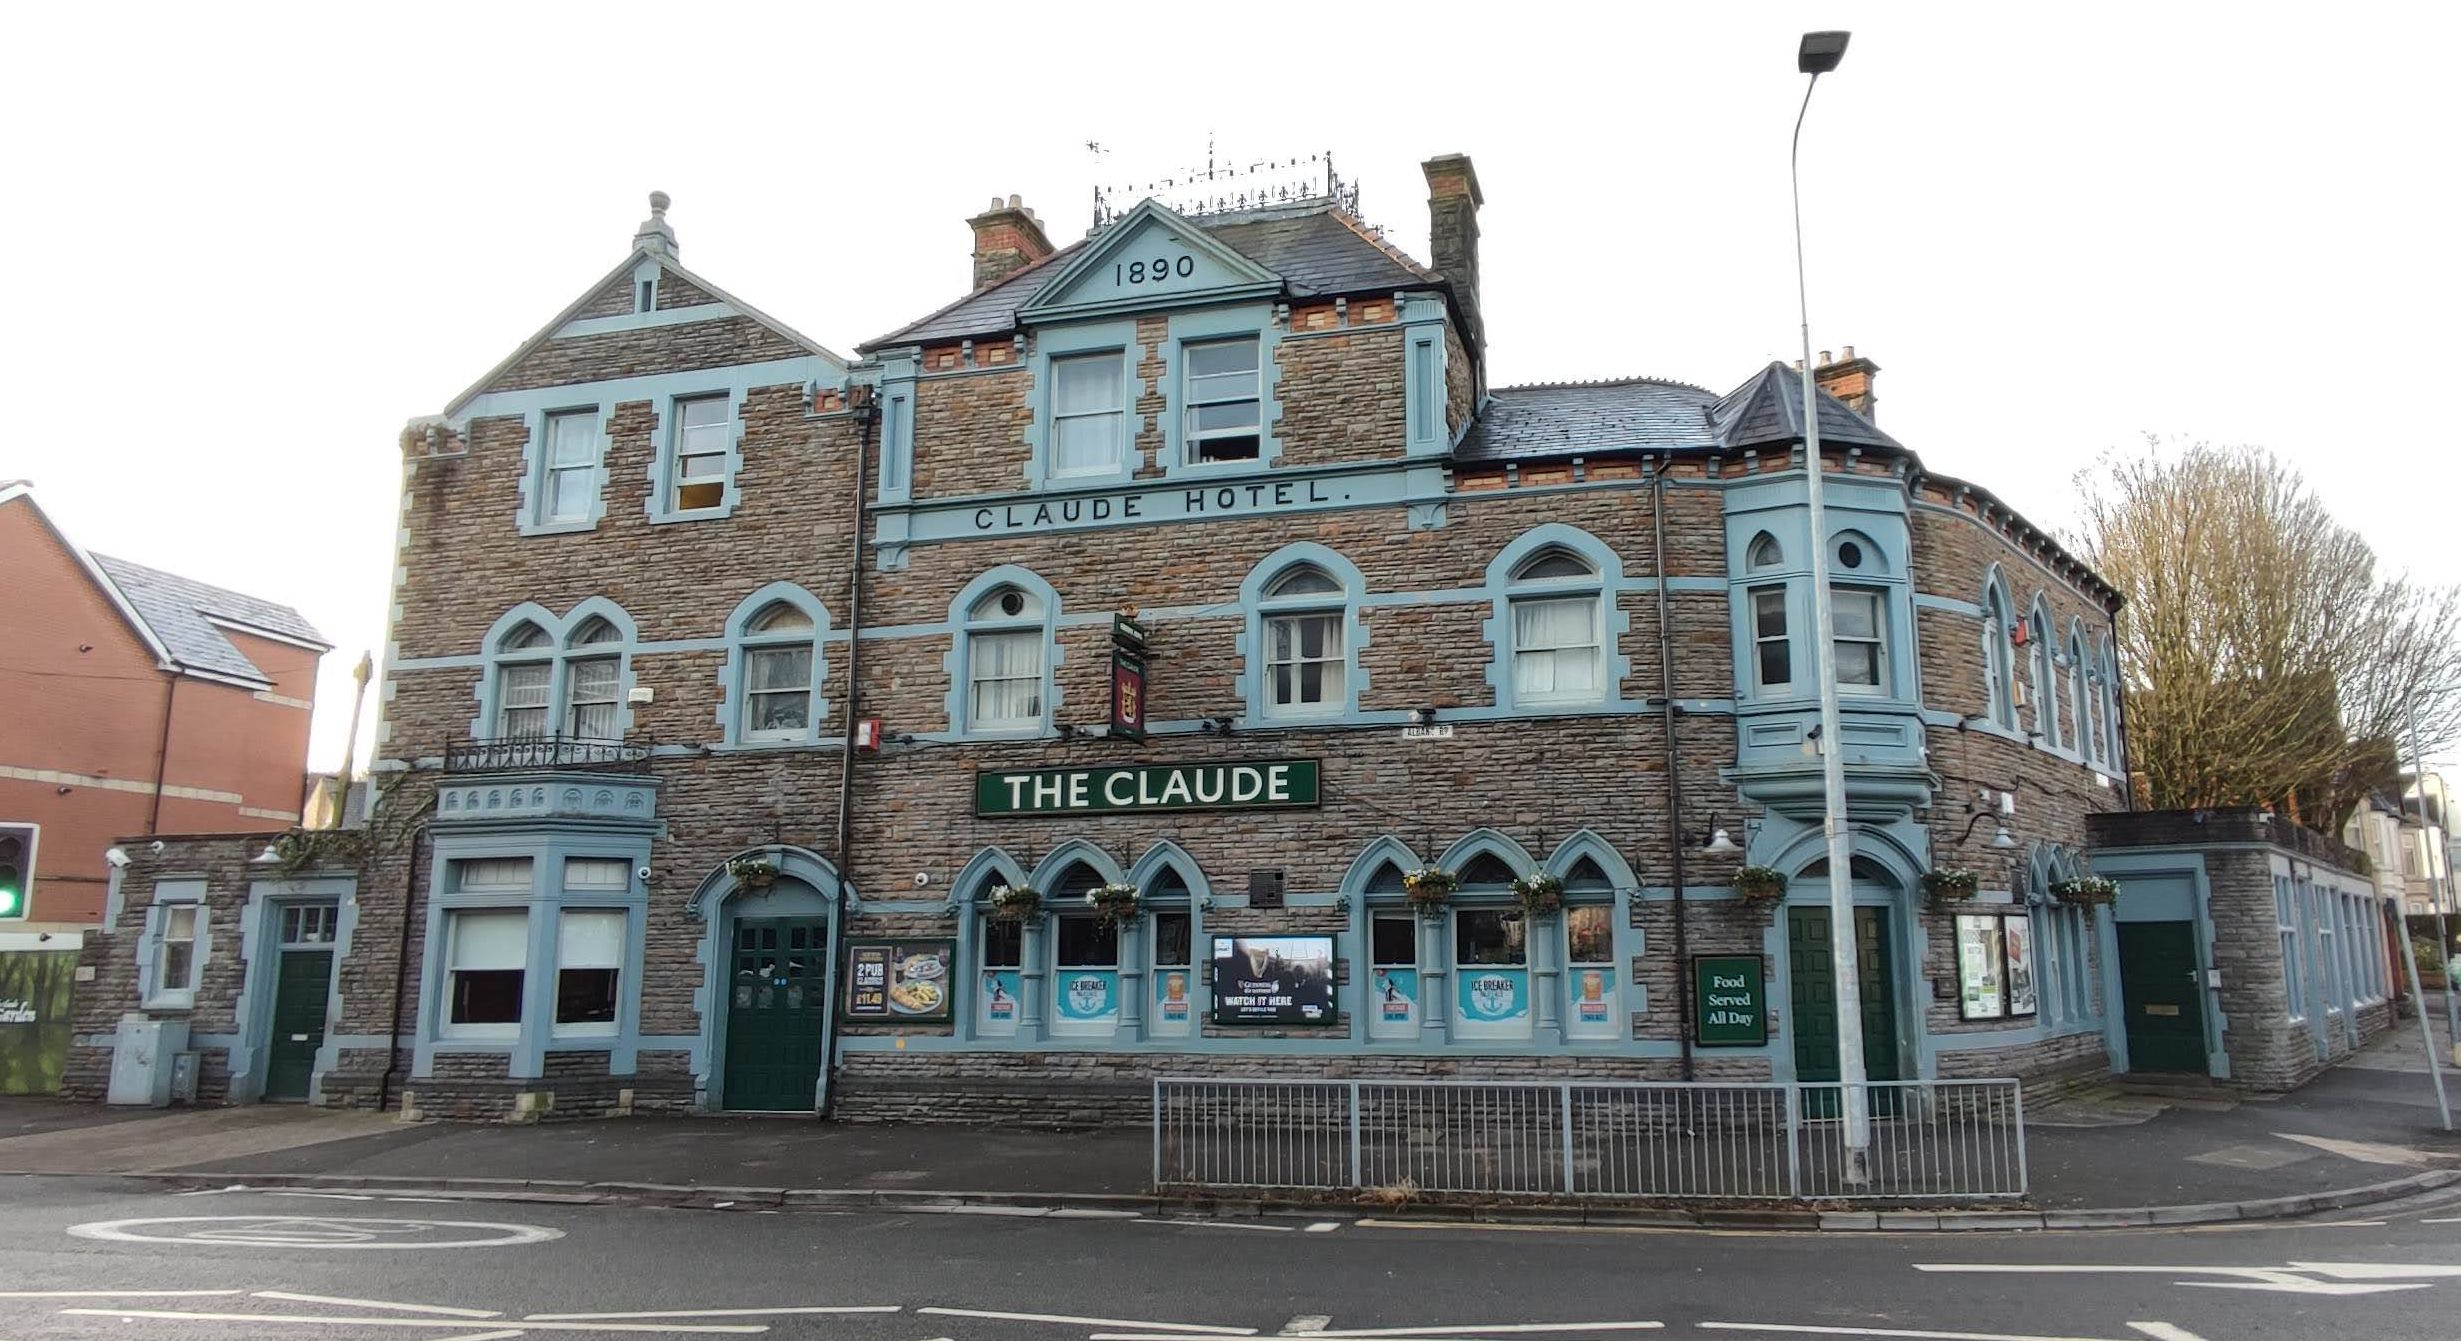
1849 379
1007 239
1453 199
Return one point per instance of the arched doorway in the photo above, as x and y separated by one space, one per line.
1811 971
770 972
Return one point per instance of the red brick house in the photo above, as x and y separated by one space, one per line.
138 702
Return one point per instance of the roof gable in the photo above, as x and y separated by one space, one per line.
186 619
1769 409
19 491
1151 257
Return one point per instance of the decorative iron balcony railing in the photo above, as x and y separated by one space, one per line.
529 753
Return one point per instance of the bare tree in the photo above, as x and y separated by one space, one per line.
2265 661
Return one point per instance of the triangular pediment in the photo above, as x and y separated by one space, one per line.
1151 258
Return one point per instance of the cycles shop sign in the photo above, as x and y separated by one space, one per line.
1265 784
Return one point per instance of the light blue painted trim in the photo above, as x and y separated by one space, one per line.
1605 588
1249 644
1167 855
2142 862
548 846
260 956
957 659
739 642
533 488
168 891
1240 276
1924 600
559 655
1587 842
1489 841
666 430
713 903
115 897
1425 388
895 473
1470 1051
1069 505
1221 323
1072 852
1060 342
1383 848
653 387
644 321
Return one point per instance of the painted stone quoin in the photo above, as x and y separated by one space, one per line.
717 657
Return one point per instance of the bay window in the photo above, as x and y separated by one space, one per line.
1772 648
486 957
589 968
1860 654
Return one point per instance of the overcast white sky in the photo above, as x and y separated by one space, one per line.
248 243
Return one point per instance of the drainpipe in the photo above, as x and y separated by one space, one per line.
867 410
401 965
1674 764
162 755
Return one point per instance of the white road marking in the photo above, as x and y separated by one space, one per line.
1498 1329
1809 1330
115 1294
2163 1331
664 1328
2365 1152
1306 1323
2374 1270
711 1313
1176 1328
439 1309
486 1336
2279 1280
328 1196
299 1231
1220 1224
2454 1220
1324 1226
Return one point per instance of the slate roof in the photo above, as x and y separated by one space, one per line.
1319 252
1647 414
180 612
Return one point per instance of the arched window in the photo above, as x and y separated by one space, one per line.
1005 640
2110 708
1304 622
524 687
1764 552
1486 871
1586 877
1387 881
1771 625
2038 663
2080 703
1558 656
778 662
1998 685
590 681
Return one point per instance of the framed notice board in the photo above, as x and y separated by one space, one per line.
903 980
1730 1001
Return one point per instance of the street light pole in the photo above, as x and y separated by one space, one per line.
2436 889
1819 54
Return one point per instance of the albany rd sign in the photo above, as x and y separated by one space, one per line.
1259 785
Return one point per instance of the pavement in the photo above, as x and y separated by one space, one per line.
2365 1130
84 1259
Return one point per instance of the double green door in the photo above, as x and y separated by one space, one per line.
303 978
2164 996
777 1019
1812 992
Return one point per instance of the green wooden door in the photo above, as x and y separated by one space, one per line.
2164 996
302 981
1812 992
777 1019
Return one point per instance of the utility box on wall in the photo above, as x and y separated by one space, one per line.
143 1056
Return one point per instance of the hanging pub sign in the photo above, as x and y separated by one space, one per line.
1127 676
899 980
1730 1001
1258 785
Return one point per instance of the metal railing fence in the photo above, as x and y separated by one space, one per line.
1958 1140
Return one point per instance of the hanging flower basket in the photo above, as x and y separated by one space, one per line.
1540 893
1430 888
1113 903
753 872
1760 884
2085 891
1950 884
1015 903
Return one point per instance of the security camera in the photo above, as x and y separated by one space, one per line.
155 847
116 858
643 872
922 879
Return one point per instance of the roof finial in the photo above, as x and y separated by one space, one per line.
657 236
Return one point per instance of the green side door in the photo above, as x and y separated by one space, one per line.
302 981
777 1018
1812 994
2164 997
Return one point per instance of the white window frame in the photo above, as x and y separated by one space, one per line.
166 914
1200 390
1998 673
1877 640
1117 359
613 701
499 1030
1777 595
682 449
759 643
553 469
542 710
564 921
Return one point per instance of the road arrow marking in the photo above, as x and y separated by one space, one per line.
2163 1331
439 1309
2374 1270
2280 1280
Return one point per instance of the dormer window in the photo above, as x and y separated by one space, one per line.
1088 414
1222 406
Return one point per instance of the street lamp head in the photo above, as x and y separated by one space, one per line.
1821 52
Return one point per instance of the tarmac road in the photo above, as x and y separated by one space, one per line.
459 1270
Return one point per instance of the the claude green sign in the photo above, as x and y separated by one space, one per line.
1256 785
1730 1001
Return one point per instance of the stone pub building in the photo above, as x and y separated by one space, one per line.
1191 583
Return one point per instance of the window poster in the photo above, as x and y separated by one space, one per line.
1392 1004
898 980
1087 1000
1174 998
1273 980
1981 994
996 1004
2017 938
1494 1002
1592 1014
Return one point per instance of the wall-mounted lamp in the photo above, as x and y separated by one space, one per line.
1717 844
116 858
268 857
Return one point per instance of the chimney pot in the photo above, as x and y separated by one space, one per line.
1007 238
1826 358
1849 353
1014 202
1849 379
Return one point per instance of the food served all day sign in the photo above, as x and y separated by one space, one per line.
1259 785
1730 1001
